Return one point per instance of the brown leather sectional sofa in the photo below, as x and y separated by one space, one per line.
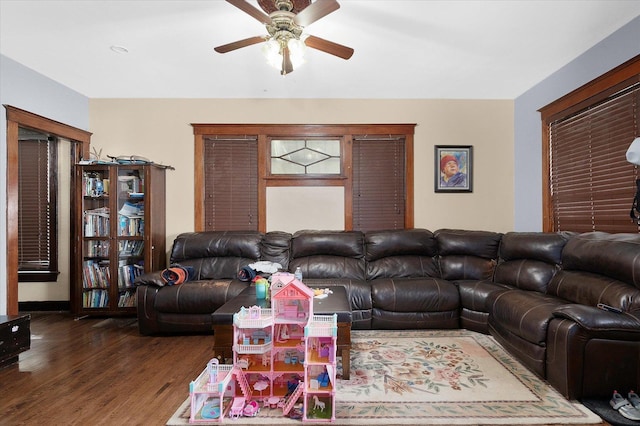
535 293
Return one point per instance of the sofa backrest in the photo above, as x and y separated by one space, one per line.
467 255
529 260
276 247
402 253
600 268
328 254
216 254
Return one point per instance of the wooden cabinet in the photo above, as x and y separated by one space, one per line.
15 337
119 234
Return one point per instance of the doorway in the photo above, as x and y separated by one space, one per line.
79 148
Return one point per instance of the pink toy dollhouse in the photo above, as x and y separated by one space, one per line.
212 387
320 369
291 300
280 355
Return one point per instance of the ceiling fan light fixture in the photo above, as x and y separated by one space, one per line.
285 43
273 52
297 50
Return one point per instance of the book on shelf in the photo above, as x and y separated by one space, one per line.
96 274
96 248
127 273
129 248
96 222
127 299
130 226
95 299
131 219
132 209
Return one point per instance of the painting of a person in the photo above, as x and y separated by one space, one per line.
450 174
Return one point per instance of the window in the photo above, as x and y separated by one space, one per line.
37 210
305 157
375 169
17 120
590 184
231 183
378 184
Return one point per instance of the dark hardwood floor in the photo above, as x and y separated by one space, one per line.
98 371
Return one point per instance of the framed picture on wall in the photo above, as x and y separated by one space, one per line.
453 168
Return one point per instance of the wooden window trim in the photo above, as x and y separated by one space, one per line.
19 118
588 94
266 131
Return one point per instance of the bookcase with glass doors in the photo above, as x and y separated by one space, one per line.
119 234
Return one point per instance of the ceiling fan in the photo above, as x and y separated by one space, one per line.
285 23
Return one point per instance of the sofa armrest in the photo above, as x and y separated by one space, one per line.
153 278
625 325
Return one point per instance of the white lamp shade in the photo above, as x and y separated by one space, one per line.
271 50
633 153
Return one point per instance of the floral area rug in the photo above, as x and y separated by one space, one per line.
433 377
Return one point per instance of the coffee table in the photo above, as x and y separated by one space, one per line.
336 302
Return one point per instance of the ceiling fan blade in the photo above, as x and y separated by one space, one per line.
240 43
315 11
329 47
287 66
249 9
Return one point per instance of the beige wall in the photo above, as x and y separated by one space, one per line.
291 209
160 130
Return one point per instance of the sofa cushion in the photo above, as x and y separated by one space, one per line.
216 254
328 254
414 295
590 289
613 255
401 254
525 274
483 244
475 293
600 268
401 242
414 303
474 314
541 246
276 247
467 255
324 266
466 267
334 243
525 314
528 260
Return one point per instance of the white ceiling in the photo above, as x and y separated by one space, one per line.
403 48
